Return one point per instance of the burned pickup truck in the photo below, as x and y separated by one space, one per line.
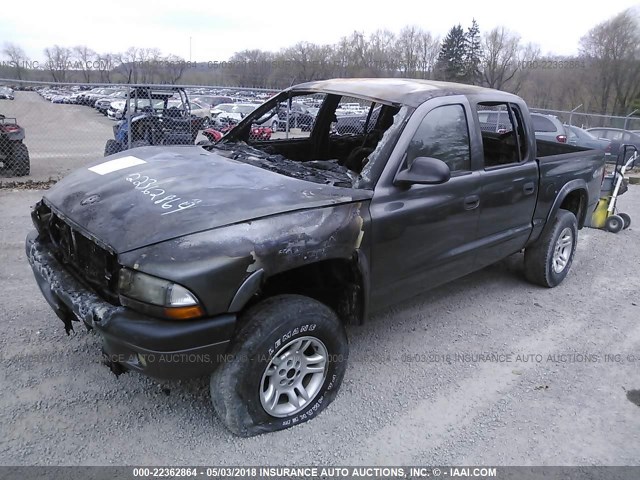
245 258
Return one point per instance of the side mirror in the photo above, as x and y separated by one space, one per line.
424 171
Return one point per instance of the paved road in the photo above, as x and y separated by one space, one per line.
549 397
60 138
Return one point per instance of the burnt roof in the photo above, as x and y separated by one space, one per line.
405 91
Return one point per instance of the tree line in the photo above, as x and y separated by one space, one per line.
604 77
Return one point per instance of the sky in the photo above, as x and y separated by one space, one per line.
212 31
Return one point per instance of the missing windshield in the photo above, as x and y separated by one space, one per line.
320 137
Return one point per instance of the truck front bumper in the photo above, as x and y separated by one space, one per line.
132 341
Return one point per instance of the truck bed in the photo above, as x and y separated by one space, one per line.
561 165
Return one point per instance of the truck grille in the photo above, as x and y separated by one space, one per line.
86 260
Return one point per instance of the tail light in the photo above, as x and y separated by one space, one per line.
561 138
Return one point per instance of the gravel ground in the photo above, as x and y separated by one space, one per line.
60 138
60 406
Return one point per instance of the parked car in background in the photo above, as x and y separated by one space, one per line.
298 116
90 97
62 97
617 137
226 114
353 124
546 127
6 93
117 108
102 104
580 137
201 111
211 101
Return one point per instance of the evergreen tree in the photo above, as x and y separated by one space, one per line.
451 60
472 54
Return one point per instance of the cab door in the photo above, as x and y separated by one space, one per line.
423 234
509 189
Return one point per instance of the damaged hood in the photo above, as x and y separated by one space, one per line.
152 194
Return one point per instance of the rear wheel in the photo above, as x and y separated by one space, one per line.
547 262
18 161
614 223
111 147
139 143
626 220
285 366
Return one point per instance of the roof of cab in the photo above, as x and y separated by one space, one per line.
405 91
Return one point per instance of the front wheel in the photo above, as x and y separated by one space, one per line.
285 366
547 262
614 223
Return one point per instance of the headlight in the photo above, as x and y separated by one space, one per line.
169 299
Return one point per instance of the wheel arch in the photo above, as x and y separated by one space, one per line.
573 196
340 283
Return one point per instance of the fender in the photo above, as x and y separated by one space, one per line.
362 263
249 287
577 184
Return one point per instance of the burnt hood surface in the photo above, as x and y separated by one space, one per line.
152 194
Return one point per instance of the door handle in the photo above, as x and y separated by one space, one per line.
529 188
471 202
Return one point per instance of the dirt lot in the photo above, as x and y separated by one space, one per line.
60 138
550 397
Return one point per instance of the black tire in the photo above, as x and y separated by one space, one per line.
111 147
626 220
540 266
139 143
268 328
614 223
19 162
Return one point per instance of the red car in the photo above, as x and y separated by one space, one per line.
257 133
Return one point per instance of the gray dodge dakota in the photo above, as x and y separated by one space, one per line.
245 258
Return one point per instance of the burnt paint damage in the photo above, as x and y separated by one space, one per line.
410 92
70 299
178 191
328 172
213 264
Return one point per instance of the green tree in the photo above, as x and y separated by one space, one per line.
451 59
472 54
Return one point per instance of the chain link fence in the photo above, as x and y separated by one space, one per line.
594 120
47 131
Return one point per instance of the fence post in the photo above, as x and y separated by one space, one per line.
571 113
129 117
626 119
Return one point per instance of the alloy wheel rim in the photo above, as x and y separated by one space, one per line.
562 250
294 376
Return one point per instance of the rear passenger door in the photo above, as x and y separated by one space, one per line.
509 188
